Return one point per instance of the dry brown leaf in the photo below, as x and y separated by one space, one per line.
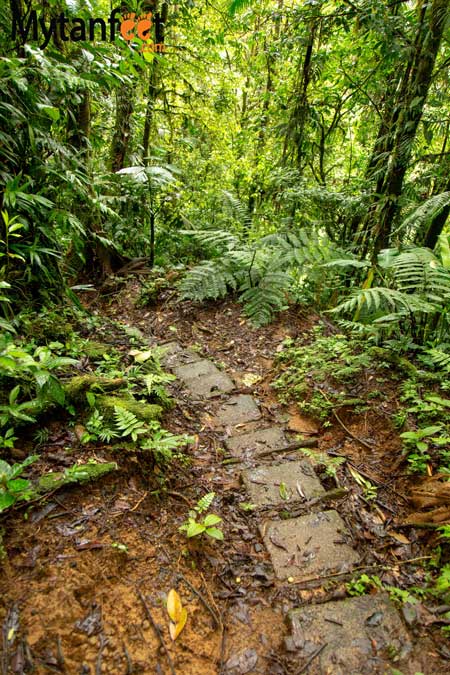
398 536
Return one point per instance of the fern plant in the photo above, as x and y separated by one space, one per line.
163 444
414 297
267 274
128 424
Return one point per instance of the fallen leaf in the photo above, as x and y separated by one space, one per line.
399 537
278 543
174 606
176 628
284 494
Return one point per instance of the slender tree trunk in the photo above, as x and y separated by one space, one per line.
437 224
152 94
122 130
408 110
300 112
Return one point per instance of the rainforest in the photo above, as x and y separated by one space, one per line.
225 337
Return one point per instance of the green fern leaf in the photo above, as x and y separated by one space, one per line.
127 423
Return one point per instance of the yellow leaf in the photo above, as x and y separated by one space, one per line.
176 628
10 634
174 606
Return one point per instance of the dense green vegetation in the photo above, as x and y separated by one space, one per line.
288 153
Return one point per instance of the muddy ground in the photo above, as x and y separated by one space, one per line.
78 604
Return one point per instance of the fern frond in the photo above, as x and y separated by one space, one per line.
266 298
205 502
237 209
439 358
426 212
128 423
236 5
209 280
218 240
374 299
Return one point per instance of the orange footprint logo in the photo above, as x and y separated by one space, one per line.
132 26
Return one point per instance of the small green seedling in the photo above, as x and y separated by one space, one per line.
13 488
194 527
122 548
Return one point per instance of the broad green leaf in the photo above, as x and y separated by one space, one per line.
8 363
212 519
215 533
193 529
6 500
18 485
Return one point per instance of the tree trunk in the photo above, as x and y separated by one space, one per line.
408 109
300 113
122 136
160 31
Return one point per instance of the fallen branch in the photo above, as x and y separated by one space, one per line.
311 659
362 568
307 443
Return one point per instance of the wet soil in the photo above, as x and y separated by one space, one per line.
71 601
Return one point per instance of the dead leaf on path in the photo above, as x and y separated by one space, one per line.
176 628
177 614
79 430
174 605
398 536
277 543
242 663
249 379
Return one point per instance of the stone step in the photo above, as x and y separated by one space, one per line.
176 355
238 410
204 379
281 483
308 547
358 636
254 443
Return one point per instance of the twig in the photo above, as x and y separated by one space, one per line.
202 599
223 644
139 501
365 568
173 493
60 653
307 443
129 670
311 659
157 630
420 526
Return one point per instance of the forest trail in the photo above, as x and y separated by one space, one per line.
271 598
358 635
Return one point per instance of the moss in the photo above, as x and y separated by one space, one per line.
95 350
77 387
143 411
79 473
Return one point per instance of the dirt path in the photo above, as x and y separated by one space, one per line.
271 598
